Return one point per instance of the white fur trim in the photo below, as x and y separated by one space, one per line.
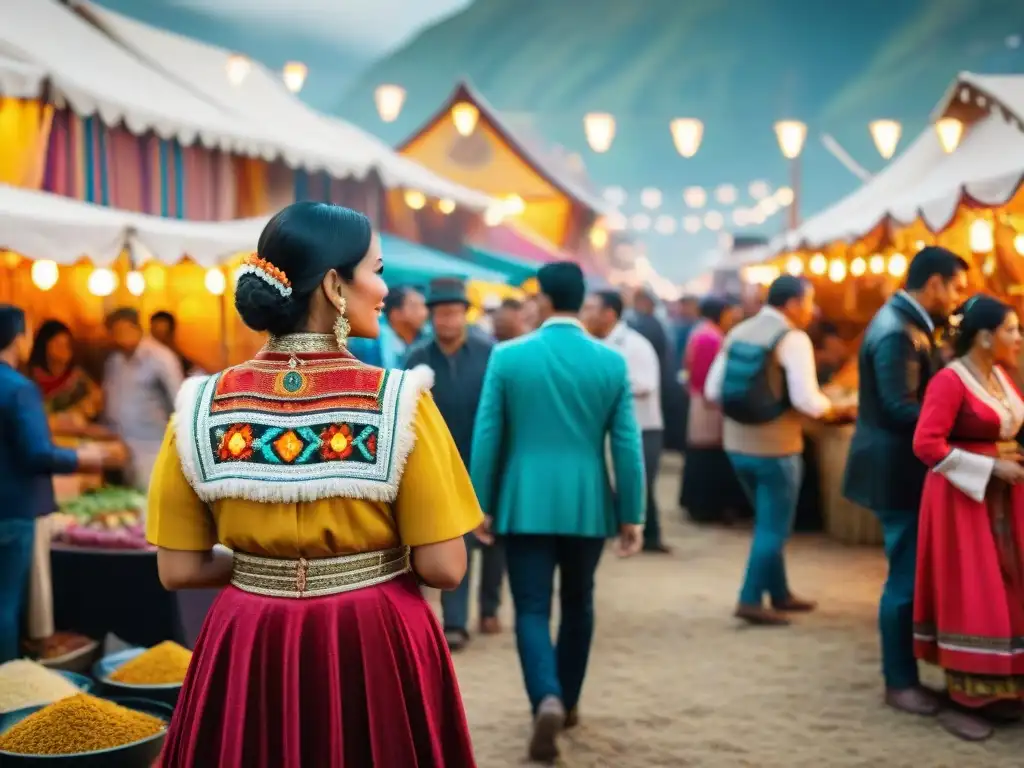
296 483
970 472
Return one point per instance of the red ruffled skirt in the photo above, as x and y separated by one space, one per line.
969 594
361 679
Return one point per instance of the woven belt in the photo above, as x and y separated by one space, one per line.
320 577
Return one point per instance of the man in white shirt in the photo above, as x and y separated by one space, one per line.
765 379
602 317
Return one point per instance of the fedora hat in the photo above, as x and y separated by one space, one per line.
446 290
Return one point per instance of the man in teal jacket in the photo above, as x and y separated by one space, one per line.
550 401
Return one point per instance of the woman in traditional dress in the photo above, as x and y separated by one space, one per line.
72 399
969 599
321 474
710 492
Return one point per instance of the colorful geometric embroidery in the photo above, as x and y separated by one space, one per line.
312 444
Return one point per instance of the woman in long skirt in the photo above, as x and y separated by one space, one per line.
338 487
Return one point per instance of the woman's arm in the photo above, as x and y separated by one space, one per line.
183 569
441 565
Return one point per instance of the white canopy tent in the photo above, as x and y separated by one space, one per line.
987 166
40 225
262 99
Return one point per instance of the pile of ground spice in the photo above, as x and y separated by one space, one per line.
163 664
24 683
77 724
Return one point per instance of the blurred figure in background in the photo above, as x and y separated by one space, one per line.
490 307
710 491
531 314
72 399
830 352
405 313
459 359
163 327
685 319
510 320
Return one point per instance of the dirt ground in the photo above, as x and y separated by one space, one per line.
674 681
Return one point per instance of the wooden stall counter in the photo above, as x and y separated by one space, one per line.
844 521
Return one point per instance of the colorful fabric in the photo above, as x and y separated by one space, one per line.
287 428
73 390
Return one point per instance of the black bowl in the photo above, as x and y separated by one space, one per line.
138 754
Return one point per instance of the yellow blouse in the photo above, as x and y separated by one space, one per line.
435 503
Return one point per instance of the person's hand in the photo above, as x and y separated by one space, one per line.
1008 471
483 531
91 458
115 455
1011 451
630 541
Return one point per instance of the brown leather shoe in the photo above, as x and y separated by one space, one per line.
760 617
915 701
490 625
794 604
964 725
547 723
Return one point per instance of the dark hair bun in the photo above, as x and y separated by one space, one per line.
263 308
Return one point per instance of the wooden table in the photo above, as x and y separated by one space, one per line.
844 521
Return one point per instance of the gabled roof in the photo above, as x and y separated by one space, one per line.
551 168
972 97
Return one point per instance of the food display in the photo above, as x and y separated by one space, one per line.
77 724
24 683
163 664
106 518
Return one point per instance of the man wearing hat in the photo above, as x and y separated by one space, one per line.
458 355
550 401
28 460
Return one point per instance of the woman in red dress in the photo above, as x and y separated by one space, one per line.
969 600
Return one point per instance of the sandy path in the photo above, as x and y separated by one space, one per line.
673 681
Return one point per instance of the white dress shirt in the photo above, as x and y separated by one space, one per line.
644 374
795 354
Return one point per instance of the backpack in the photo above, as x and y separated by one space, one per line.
747 396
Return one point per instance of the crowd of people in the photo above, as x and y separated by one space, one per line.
380 438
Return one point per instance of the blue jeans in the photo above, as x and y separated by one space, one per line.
773 486
455 604
896 608
16 538
553 670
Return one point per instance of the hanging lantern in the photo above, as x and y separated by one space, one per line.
950 131
818 264
600 130
858 266
695 197
445 206
135 282
795 266
897 265
45 274
981 236
837 270
295 75
886 135
514 205
238 68
465 117
389 100
598 237
876 264
687 133
102 282
791 135
650 198
1018 244
415 199
215 281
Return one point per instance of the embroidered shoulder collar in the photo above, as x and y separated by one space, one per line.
1010 412
281 429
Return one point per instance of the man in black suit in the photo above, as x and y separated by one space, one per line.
898 357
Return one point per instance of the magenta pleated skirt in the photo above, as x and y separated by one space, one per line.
362 679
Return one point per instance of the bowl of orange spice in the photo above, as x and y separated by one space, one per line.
155 673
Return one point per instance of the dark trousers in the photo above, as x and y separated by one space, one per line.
553 670
16 538
653 440
455 604
896 609
773 485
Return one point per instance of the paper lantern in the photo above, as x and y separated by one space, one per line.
886 135
215 281
295 75
445 206
687 133
102 282
465 117
45 274
599 128
415 199
950 131
238 68
389 100
818 264
791 135
135 282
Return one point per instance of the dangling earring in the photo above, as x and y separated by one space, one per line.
341 326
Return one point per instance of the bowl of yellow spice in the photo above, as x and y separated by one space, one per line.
155 673
84 731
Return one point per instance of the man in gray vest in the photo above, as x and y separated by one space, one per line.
765 378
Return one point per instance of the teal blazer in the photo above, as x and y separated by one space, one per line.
549 402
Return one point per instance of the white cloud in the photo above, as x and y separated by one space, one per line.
367 26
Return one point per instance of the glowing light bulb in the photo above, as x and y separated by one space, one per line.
415 199
795 266
45 274
465 117
215 281
897 265
446 206
858 266
102 282
876 264
818 264
135 282
389 100
837 270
